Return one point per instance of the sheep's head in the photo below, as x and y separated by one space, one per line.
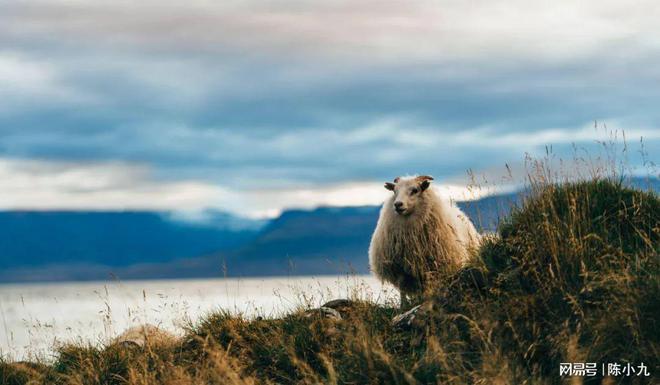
408 192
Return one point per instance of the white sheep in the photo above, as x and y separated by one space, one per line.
419 236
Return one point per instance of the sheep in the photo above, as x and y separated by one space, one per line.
419 236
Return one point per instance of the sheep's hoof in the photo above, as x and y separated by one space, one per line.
406 320
324 312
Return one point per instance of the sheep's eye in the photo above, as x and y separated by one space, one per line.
414 191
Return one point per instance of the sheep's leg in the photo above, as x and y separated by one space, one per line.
409 301
405 301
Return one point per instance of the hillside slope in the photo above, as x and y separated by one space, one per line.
573 277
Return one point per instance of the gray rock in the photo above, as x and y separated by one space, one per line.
409 319
324 312
339 304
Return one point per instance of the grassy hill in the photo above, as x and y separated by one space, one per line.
573 276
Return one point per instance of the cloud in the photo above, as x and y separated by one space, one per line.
338 28
589 133
121 186
296 96
25 83
115 186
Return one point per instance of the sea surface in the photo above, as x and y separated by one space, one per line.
36 318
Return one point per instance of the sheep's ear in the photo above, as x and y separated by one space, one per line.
389 186
425 181
424 177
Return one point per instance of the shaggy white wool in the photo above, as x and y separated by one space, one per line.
428 236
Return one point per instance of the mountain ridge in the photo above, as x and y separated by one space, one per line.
150 245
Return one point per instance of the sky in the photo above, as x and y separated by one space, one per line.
255 106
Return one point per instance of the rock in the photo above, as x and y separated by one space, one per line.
343 306
407 319
324 312
415 318
142 335
339 304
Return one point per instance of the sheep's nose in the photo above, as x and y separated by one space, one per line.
398 205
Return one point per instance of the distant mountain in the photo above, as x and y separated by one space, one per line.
332 240
325 240
61 245
89 245
336 240
645 183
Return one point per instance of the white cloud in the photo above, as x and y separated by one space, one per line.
407 133
419 29
528 139
41 185
18 74
25 82
226 98
30 184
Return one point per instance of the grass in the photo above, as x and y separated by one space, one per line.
573 276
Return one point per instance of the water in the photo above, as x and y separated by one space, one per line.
36 318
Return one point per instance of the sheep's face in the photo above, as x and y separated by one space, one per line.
408 193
